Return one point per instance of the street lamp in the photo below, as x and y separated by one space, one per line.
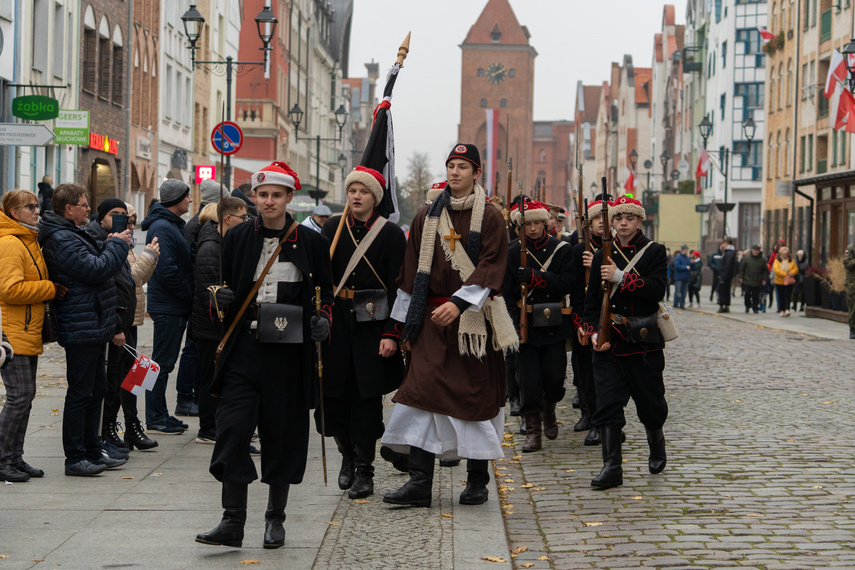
849 60
194 24
296 116
342 164
593 189
749 129
633 159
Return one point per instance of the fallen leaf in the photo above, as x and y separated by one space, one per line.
817 487
544 558
507 512
507 445
361 501
333 523
520 549
527 564
38 559
638 498
507 481
127 477
754 515
592 523
569 470
56 409
562 407
448 516
527 486
4 556
493 559
737 401
828 402
250 562
509 436
539 489
514 555
517 457
502 468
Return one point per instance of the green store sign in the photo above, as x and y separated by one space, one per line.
35 107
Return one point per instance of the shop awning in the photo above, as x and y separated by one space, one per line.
824 178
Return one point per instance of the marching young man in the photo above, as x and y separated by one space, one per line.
451 401
542 359
265 371
367 362
631 364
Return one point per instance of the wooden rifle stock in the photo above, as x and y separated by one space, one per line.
605 327
523 286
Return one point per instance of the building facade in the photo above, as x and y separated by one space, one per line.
144 97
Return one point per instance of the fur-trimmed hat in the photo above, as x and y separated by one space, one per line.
372 180
468 152
626 205
534 212
277 173
595 209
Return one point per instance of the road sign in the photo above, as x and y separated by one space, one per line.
227 138
24 134
72 127
702 208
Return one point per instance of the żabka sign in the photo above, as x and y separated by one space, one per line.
35 107
100 142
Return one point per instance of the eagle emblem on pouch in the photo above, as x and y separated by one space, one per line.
280 323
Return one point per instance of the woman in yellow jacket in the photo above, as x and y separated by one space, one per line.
24 287
785 269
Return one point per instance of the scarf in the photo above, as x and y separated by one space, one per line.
418 304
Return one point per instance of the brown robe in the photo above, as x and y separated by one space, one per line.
438 378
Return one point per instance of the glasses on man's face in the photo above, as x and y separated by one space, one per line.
85 205
31 207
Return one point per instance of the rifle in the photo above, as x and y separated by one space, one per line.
321 390
523 263
507 211
605 327
582 231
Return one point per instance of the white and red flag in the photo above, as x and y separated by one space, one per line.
492 149
704 164
142 375
629 185
765 34
836 73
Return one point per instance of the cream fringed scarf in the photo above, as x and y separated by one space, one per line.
472 329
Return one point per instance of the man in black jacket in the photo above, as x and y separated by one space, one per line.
631 364
86 320
753 274
268 384
205 327
542 359
729 267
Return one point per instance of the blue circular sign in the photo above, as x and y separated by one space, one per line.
227 138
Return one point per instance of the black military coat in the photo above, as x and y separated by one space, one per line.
636 296
548 286
354 346
577 294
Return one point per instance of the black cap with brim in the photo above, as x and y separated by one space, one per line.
468 152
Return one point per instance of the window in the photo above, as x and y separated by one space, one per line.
542 155
503 103
769 162
90 57
834 148
787 154
483 103
804 81
167 107
118 80
778 156
774 18
40 45
723 55
810 153
750 157
104 79
802 155
752 94
58 41
751 40
789 82
843 147
780 85
771 94
722 105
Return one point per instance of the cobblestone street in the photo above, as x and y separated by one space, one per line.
760 464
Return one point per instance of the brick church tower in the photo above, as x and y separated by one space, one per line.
497 95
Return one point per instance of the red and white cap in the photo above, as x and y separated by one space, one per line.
277 173
626 205
534 212
372 180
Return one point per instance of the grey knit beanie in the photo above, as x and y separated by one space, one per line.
173 191
210 190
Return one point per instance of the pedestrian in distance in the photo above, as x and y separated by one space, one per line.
631 365
86 320
24 288
752 276
45 194
799 287
696 280
265 372
682 276
170 297
451 401
714 263
727 272
319 217
542 359
364 340
785 269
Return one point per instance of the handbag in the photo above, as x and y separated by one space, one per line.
50 325
370 305
789 279
643 329
279 323
666 323
546 314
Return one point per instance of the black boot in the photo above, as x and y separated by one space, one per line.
533 441
851 332
477 477
593 437
363 484
612 473
400 461
274 517
656 441
108 433
230 530
418 490
550 422
348 455
583 424
136 437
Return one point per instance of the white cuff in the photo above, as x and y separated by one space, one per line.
401 306
475 295
617 277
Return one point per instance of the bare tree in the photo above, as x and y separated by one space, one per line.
412 194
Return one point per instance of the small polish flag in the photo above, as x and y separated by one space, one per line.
704 164
629 185
836 72
765 34
142 376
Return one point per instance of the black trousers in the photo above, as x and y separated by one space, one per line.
638 376
752 297
715 283
119 363
360 419
262 386
81 417
540 372
724 293
511 378
584 377
208 404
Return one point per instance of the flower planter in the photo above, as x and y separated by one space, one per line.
810 286
825 298
838 301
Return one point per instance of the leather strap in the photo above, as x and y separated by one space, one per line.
255 288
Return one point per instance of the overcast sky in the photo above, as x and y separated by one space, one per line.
575 40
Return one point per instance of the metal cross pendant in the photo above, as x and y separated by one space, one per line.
452 237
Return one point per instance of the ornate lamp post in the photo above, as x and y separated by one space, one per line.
194 24
296 116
